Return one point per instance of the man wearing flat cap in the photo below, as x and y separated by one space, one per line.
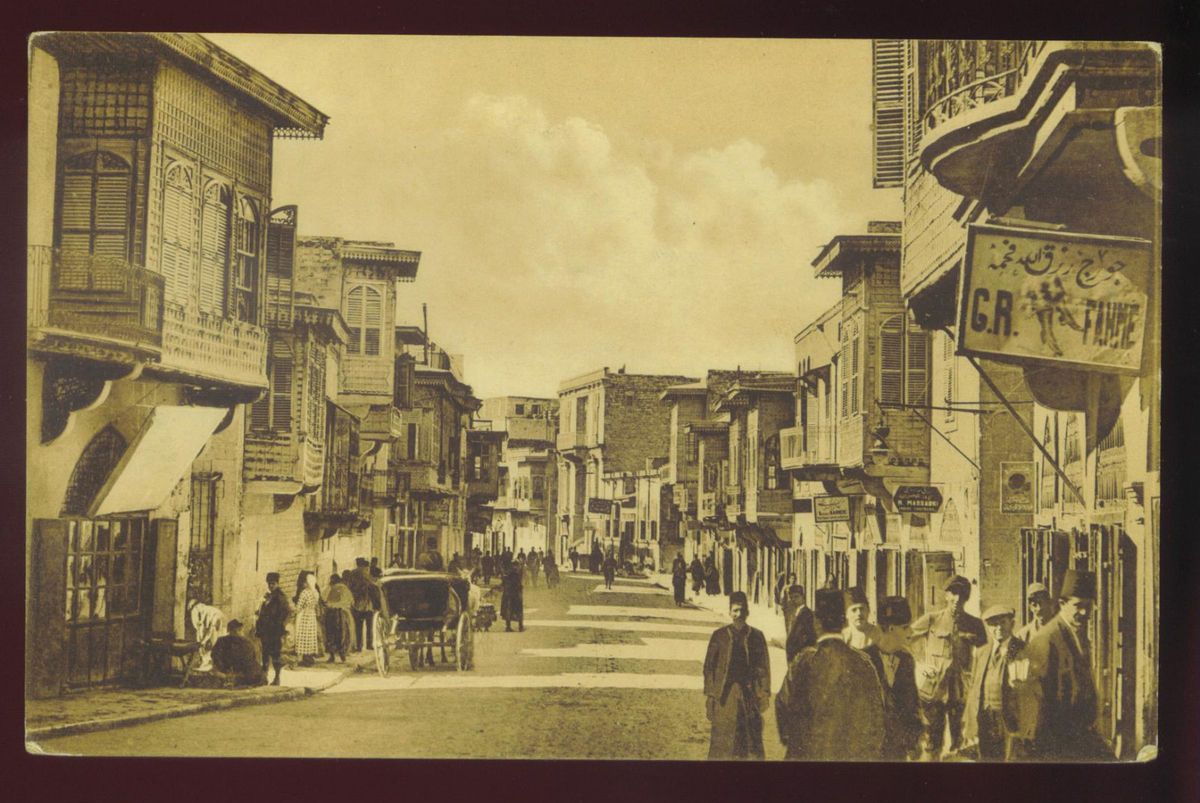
859 631
1057 695
991 714
948 637
897 674
830 707
737 685
1042 610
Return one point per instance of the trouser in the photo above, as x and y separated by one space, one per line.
362 621
272 652
991 735
935 714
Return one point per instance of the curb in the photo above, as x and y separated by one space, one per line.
94 725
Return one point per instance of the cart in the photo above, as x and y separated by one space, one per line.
420 612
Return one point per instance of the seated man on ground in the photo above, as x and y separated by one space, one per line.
235 660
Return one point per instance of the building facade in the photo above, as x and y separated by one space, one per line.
523 516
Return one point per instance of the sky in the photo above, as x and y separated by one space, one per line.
580 203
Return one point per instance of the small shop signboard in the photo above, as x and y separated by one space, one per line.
600 505
918 499
1054 297
831 508
1016 487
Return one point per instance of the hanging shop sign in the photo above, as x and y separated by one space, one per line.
1054 297
600 505
918 499
831 508
1016 487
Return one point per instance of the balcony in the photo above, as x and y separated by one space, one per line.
284 457
383 423
995 112
797 452
212 347
385 487
93 305
424 479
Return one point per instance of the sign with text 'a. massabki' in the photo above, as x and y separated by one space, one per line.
1054 297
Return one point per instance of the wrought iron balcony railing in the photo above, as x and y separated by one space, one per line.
99 296
958 76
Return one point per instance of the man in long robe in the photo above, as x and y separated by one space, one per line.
1057 697
737 685
512 599
830 707
897 675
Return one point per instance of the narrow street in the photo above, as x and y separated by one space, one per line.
596 674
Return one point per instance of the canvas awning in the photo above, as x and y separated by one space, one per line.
163 450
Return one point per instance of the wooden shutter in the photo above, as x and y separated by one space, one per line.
282 370
162 556
112 215
844 372
913 105
854 378
887 101
178 235
45 615
373 321
281 258
94 205
214 244
315 425
354 319
917 365
949 391
891 360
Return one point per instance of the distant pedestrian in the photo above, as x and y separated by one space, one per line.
270 624
697 570
679 581
790 596
990 715
574 556
712 578
339 622
597 558
488 567
859 631
801 627
512 599
307 599
737 685
362 610
610 570
430 560
551 567
1056 690
455 566
1042 610
535 566
897 675
949 636
830 707
233 659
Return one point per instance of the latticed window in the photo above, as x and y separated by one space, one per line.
94 204
178 231
316 391
273 412
849 369
949 376
771 463
214 247
364 319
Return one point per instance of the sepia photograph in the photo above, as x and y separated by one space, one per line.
548 397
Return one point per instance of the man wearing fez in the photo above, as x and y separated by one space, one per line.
830 707
269 625
896 669
991 703
801 629
1042 610
859 631
949 636
737 685
1055 688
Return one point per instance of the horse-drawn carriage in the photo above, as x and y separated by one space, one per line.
423 611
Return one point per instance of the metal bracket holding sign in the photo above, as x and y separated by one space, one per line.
1058 298
917 499
831 508
1016 487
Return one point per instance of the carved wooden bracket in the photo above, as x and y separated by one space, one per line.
70 385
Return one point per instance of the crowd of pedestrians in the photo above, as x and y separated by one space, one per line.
891 689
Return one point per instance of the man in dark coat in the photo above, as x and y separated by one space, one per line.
1056 691
697 571
362 608
270 623
830 707
574 556
990 714
712 577
551 567
535 565
801 628
679 580
489 567
897 674
610 570
737 685
1042 610
948 637
597 559
234 659
512 598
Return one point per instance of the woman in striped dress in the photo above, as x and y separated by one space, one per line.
307 599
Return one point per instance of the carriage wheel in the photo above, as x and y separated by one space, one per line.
382 650
465 644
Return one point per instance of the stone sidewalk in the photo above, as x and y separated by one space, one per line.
101 709
763 617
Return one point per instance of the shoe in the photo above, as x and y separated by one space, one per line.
275 682
330 661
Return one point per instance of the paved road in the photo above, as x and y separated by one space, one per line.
596 674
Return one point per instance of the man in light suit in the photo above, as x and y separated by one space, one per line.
737 685
990 714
